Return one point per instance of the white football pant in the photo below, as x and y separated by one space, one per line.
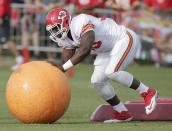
110 65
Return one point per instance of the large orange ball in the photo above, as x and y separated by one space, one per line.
38 93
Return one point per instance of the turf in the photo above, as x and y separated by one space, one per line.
85 99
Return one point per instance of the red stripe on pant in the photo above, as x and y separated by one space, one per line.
125 53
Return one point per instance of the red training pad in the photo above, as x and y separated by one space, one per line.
137 110
160 100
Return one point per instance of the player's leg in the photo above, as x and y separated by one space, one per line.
106 91
0 48
11 44
35 39
1 34
25 32
122 55
18 57
13 49
0 53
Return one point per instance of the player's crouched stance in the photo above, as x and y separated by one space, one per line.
115 46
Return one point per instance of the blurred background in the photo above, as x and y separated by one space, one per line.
23 34
23 38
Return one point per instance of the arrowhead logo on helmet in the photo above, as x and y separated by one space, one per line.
62 15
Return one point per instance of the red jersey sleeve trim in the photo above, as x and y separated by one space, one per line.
86 28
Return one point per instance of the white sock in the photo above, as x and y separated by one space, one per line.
120 107
142 88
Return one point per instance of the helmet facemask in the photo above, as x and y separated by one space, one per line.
57 32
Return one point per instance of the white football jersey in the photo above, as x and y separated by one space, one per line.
107 32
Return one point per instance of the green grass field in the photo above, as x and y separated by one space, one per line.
85 100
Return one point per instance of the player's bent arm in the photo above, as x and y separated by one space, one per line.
67 54
86 43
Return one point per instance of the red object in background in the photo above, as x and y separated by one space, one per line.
70 72
15 15
5 7
100 3
156 34
125 4
70 1
159 4
88 3
26 55
131 2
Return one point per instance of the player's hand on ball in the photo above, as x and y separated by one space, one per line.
59 66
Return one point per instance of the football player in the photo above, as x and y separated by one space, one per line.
115 46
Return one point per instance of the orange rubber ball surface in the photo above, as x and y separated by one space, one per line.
38 93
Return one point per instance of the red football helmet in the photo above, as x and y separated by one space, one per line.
57 23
